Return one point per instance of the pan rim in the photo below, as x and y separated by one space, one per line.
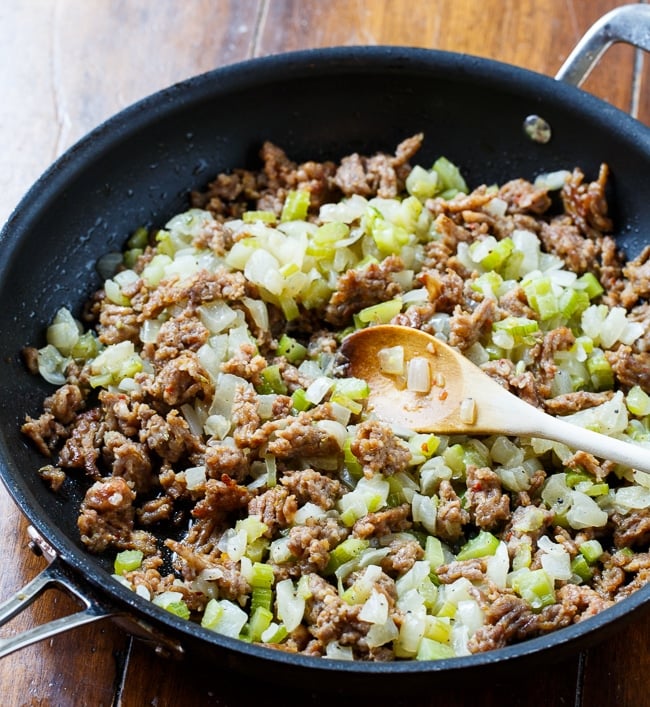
245 75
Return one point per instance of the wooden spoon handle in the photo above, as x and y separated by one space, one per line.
553 428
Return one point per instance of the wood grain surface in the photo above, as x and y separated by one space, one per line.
65 66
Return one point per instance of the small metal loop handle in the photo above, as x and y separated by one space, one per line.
54 575
628 23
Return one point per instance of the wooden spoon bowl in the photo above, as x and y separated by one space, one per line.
462 399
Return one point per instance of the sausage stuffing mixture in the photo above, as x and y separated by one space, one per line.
237 475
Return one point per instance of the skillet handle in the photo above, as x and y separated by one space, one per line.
54 575
628 23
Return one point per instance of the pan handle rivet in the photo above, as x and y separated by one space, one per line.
537 129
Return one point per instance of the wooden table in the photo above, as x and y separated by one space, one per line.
67 65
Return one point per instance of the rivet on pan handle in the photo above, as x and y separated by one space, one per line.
629 24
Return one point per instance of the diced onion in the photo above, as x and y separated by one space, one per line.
391 360
418 375
468 411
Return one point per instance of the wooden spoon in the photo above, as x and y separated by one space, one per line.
463 399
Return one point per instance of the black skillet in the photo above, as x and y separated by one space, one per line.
138 169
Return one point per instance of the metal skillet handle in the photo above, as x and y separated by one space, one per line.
628 23
55 575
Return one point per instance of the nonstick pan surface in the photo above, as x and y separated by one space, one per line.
138 168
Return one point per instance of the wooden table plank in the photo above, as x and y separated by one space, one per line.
66 66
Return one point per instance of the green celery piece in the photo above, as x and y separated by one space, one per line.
589 283
351 462
600 370
517 326
573 478
291 349
433 552
263 216
591 550
449 176
534 587
139 239
299 400
261 597
637 401
272 381
573 302
259 621
498 255
433 650
354 388
380 313
601 489
178 608
262 575
127 561
295 206
344 552
580 566
212 614
482 545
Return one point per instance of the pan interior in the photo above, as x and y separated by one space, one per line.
139 167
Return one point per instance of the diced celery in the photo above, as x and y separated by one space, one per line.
480 546
591 550
573 478
438 628
422 183
601 489
522 557
212 614
498 255
354 407
86 347
139 238
516 326
430 649
272 381
449 175
131 256
127 561
291 349
262 575
447 610
580 566
295 206
534 587
454 457
433 552
224 617
354 388
351 462
600 370
424 445
388 237
259 621
344 552
256 550
573 302
261 597
178 608
299 400
638 401
380 313
589 283
488 284
275 633
263 216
